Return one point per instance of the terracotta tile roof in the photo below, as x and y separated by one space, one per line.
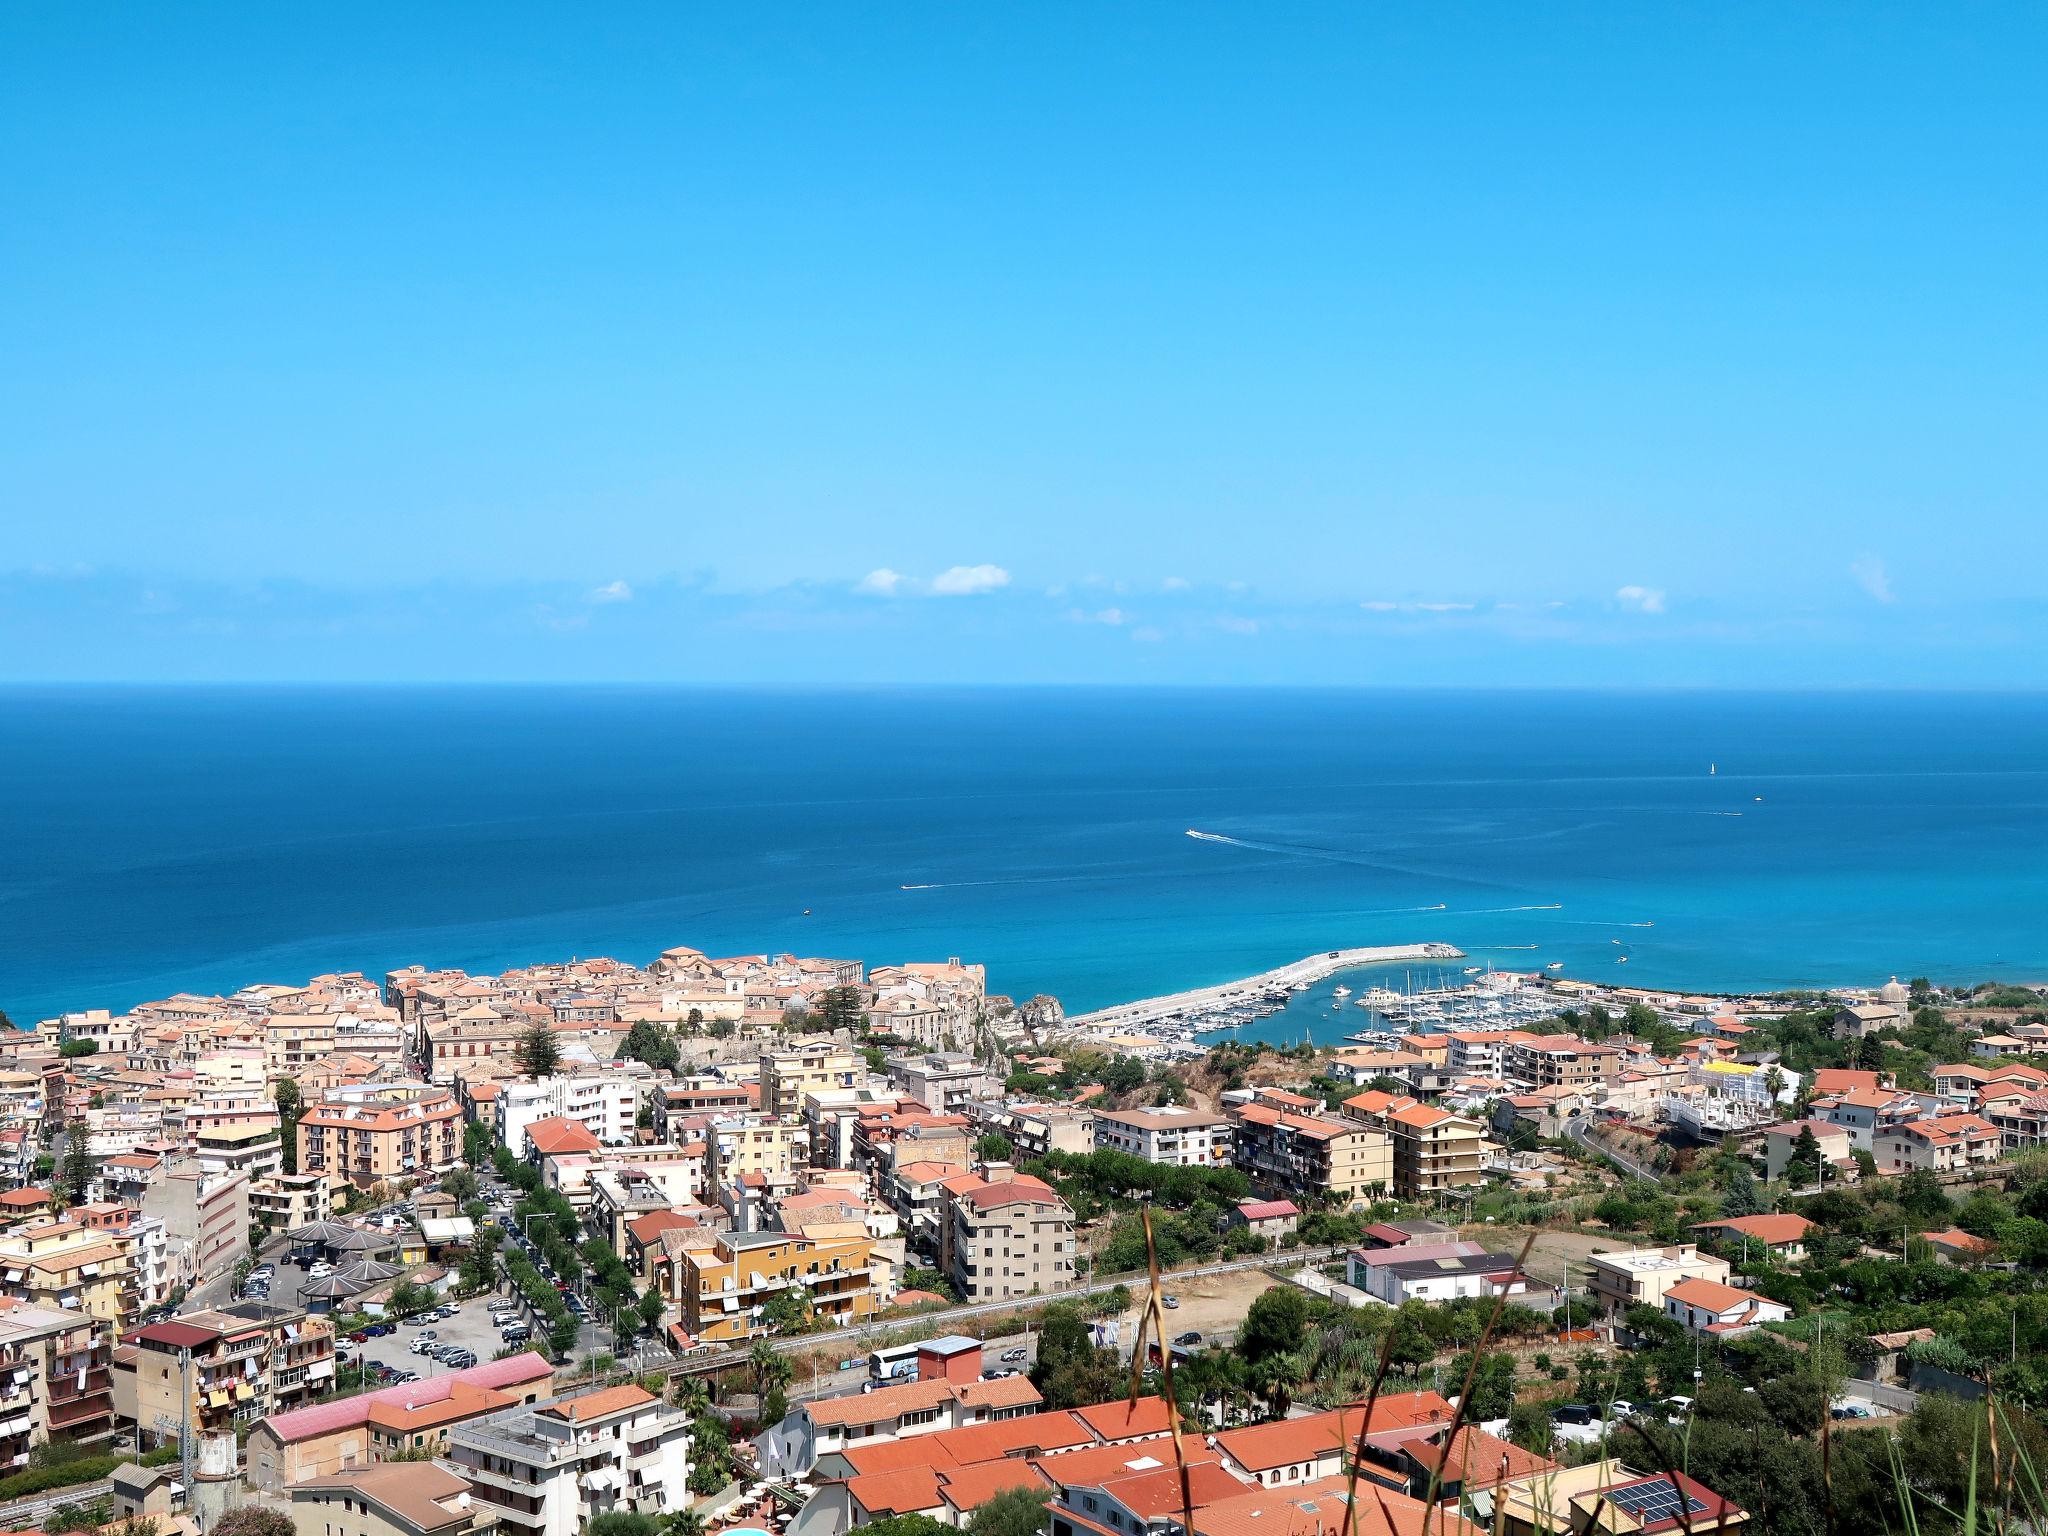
1286 1442
1713 1296
595 1405
558 1133
1028 1434
906 1491
1785 1228
1955 1237
968 1488
1122 1419
1476 1459
894 1455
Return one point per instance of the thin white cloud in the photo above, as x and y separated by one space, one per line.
881 582
1145 634
1872 577
1115 618
612 592
1640 599
1382 605
968 580
1174 584
1232 624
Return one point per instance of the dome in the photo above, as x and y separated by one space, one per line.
1893 992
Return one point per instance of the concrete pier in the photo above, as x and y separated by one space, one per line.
1309 969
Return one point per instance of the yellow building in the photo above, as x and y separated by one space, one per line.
787 1075
723 1290
64 1264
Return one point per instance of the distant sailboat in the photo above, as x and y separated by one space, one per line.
1712 769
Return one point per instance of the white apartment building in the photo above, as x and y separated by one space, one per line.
608 1106
1175 1136
549 1470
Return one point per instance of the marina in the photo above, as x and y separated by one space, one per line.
1492 1000
1233 1004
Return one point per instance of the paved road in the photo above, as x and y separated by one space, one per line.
938 1321
1575 1128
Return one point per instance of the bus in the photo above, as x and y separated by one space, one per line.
892 1364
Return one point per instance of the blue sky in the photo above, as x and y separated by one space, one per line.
1563 344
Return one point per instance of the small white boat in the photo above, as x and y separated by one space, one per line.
1621 959
1340 991
1471 970
1555 965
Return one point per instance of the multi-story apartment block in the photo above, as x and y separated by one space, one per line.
292 1042
1623 1278
378 1133
205 1217
1943 1143
393 1498
548 1471
220 1371
64 1265
288 1200
251 1149
54 1382
605 1104
1433 1149
755 1144
787 1075
1545 1061
723 1290
943 1083
1301 1155
1035 1130
1006 1235
1175 1136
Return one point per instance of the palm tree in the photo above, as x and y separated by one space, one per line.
770 1366
1276 1377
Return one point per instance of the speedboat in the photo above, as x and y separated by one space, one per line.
1555 965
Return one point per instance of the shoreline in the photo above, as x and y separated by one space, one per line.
1307 970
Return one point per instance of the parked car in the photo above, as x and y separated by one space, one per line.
1169 1302
421 1346
1192 1336
1850 1411
378 1330
515 1333
459 1360
1571 1413
1016 1356
361 1336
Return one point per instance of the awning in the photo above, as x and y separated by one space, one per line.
217 1399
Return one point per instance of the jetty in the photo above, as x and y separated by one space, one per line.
1250 989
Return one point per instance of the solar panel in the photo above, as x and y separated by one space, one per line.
1654 1501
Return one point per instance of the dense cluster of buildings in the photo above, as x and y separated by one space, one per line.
799 1135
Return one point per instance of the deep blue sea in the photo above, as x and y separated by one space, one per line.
159 840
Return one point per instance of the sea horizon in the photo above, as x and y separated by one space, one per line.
205 836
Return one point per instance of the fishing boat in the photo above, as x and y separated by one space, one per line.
1340 990
1555 965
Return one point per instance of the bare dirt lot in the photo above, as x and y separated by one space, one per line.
1214 1304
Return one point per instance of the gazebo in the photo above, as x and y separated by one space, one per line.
321 1295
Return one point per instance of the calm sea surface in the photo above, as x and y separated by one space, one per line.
155 841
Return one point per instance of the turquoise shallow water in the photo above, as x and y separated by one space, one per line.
153 841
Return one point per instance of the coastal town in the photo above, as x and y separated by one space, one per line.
768 1244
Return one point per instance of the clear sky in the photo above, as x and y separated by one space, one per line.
1695 344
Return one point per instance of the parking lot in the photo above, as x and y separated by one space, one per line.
471 1327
